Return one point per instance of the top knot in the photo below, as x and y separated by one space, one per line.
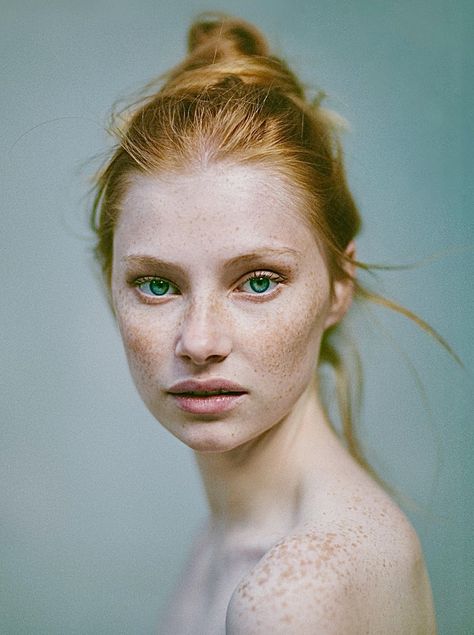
221 37
221 46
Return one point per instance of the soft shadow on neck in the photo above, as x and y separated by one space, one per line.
261 485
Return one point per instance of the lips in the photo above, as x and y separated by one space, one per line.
211 397
210 387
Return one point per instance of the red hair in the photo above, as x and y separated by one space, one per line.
231 101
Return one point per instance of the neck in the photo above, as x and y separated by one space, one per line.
261 486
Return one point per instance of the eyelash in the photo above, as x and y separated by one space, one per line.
255 275
268 275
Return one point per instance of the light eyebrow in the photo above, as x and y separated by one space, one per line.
261 254
145 261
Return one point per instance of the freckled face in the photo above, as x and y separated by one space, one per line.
216 276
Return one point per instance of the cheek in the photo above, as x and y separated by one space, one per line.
287 343
144 347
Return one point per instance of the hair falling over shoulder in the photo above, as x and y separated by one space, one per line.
231 101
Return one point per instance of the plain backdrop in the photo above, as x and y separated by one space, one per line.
99 504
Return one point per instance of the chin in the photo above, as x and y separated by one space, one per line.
208 439
204 444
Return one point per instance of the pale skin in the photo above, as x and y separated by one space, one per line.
299 538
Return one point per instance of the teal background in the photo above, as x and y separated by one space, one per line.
99 504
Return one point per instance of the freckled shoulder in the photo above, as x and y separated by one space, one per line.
350 577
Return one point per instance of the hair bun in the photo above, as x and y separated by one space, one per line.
220 37
221 47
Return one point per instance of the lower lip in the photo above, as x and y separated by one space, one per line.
214 404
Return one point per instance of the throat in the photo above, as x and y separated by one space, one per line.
261 486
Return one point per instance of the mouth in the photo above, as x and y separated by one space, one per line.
206 388
210 397
208 393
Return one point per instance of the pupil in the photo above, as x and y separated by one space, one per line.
259 285
159 287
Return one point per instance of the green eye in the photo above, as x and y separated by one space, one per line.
156 287
261 282
259 285
159 287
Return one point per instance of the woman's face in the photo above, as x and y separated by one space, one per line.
216 277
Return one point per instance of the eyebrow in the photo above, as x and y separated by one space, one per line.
142 260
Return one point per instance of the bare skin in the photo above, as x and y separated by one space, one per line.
299 539
345 537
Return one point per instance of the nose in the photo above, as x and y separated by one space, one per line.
204 335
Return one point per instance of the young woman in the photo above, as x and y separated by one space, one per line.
226 236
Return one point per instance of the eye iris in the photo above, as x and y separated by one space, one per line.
259 285
159 287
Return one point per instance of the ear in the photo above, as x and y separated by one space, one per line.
343 291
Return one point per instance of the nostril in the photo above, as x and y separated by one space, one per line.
203 334
199 357
212 348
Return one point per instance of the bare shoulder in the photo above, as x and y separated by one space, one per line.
360 573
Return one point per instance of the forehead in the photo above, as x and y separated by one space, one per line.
220 208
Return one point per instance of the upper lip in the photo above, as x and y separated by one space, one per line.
210 385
